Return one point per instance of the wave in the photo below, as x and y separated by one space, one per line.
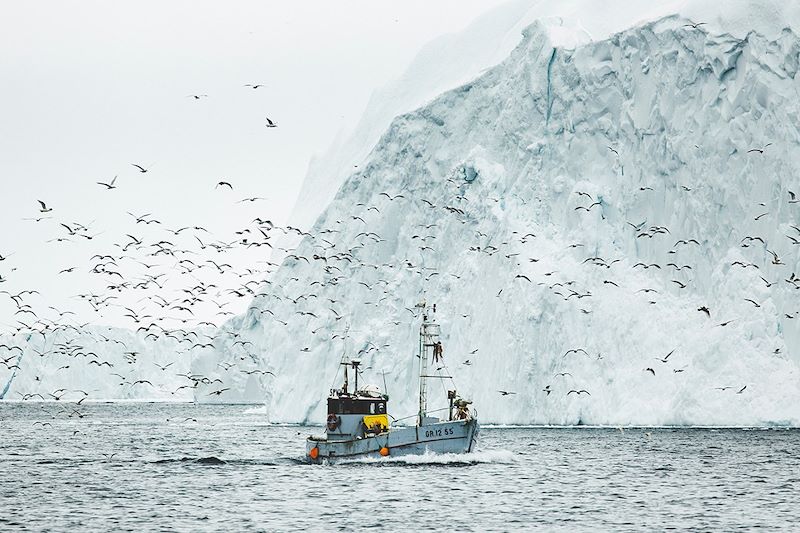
498 456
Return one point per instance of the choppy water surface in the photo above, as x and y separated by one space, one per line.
162 467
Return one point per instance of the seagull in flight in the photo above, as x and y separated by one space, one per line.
224 184
109 186
44 208
140 167
759 150
664 360
271 124
694 25
390 197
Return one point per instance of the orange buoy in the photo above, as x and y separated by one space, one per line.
314 452
385 451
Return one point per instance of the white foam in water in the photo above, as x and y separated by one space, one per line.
480 456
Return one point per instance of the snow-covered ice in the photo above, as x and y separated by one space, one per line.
653 125
681 108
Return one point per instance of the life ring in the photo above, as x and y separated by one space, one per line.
333 422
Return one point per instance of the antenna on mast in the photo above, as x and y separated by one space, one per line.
345 361
385 388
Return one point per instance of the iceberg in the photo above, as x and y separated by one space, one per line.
603 210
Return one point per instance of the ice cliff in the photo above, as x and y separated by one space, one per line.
617 177
573 211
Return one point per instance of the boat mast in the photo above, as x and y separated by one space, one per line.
428 337
423 369
346 360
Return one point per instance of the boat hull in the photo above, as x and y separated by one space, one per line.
456 436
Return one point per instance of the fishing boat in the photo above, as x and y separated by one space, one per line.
358 421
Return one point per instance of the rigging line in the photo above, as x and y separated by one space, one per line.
417 414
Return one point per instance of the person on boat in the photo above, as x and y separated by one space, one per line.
462 409
438 351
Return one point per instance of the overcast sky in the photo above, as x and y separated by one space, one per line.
88 88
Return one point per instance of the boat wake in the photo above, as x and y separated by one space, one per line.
437 459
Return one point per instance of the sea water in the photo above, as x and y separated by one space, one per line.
148 467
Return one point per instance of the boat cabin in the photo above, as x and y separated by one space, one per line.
357 415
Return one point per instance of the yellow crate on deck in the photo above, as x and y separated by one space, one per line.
376 422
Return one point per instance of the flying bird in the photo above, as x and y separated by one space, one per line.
694 25
390 197
141 168
109 186
224 184
44 208
759 150
664 360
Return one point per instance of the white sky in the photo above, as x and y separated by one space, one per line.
90 87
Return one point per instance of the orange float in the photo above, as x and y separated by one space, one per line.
384 451
314 452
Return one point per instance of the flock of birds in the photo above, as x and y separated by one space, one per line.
205 254
153 279
145 269
566 291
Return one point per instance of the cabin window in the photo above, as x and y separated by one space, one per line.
372 408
